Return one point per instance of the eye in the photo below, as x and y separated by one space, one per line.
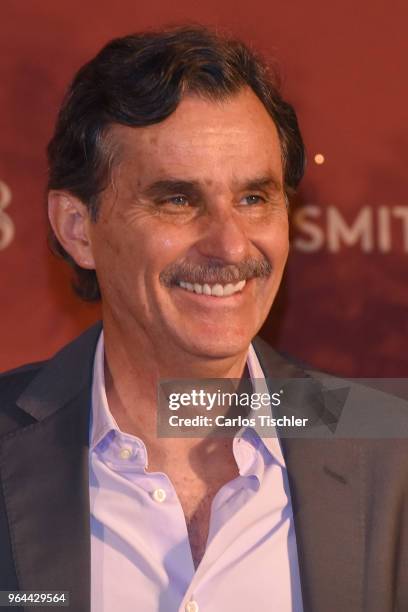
178 200
253 199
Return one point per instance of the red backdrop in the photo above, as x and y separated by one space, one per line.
343 306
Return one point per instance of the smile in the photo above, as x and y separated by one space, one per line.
216 290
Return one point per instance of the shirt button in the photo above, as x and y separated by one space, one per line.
191 606
159 495
125 453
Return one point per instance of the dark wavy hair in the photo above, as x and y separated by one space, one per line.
139 80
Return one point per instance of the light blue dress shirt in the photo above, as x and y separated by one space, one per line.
141 558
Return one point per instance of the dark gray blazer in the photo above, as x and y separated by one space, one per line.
350 497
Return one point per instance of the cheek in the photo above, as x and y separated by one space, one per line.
167 244
115 256
273 242
148 251
282 246
160 247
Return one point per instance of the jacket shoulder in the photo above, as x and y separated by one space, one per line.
36 390
12 384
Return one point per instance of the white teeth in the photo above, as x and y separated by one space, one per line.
229 289
216 290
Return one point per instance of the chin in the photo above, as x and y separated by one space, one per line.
220 346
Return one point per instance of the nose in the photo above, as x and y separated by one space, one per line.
224 238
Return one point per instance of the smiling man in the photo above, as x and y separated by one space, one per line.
170 168
191 238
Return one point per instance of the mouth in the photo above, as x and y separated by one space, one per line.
215 290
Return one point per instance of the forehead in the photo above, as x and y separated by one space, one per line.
204 137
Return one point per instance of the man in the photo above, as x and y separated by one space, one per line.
170 167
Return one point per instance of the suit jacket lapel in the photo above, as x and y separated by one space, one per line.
324 477
45 477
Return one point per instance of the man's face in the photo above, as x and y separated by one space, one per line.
196 199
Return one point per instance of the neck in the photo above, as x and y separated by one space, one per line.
133 370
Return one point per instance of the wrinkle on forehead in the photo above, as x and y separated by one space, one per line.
228 115
202 140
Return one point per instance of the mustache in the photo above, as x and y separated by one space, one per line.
214 272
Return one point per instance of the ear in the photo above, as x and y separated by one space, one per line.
70 220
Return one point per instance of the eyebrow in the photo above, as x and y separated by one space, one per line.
194 188
174 186
263 183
